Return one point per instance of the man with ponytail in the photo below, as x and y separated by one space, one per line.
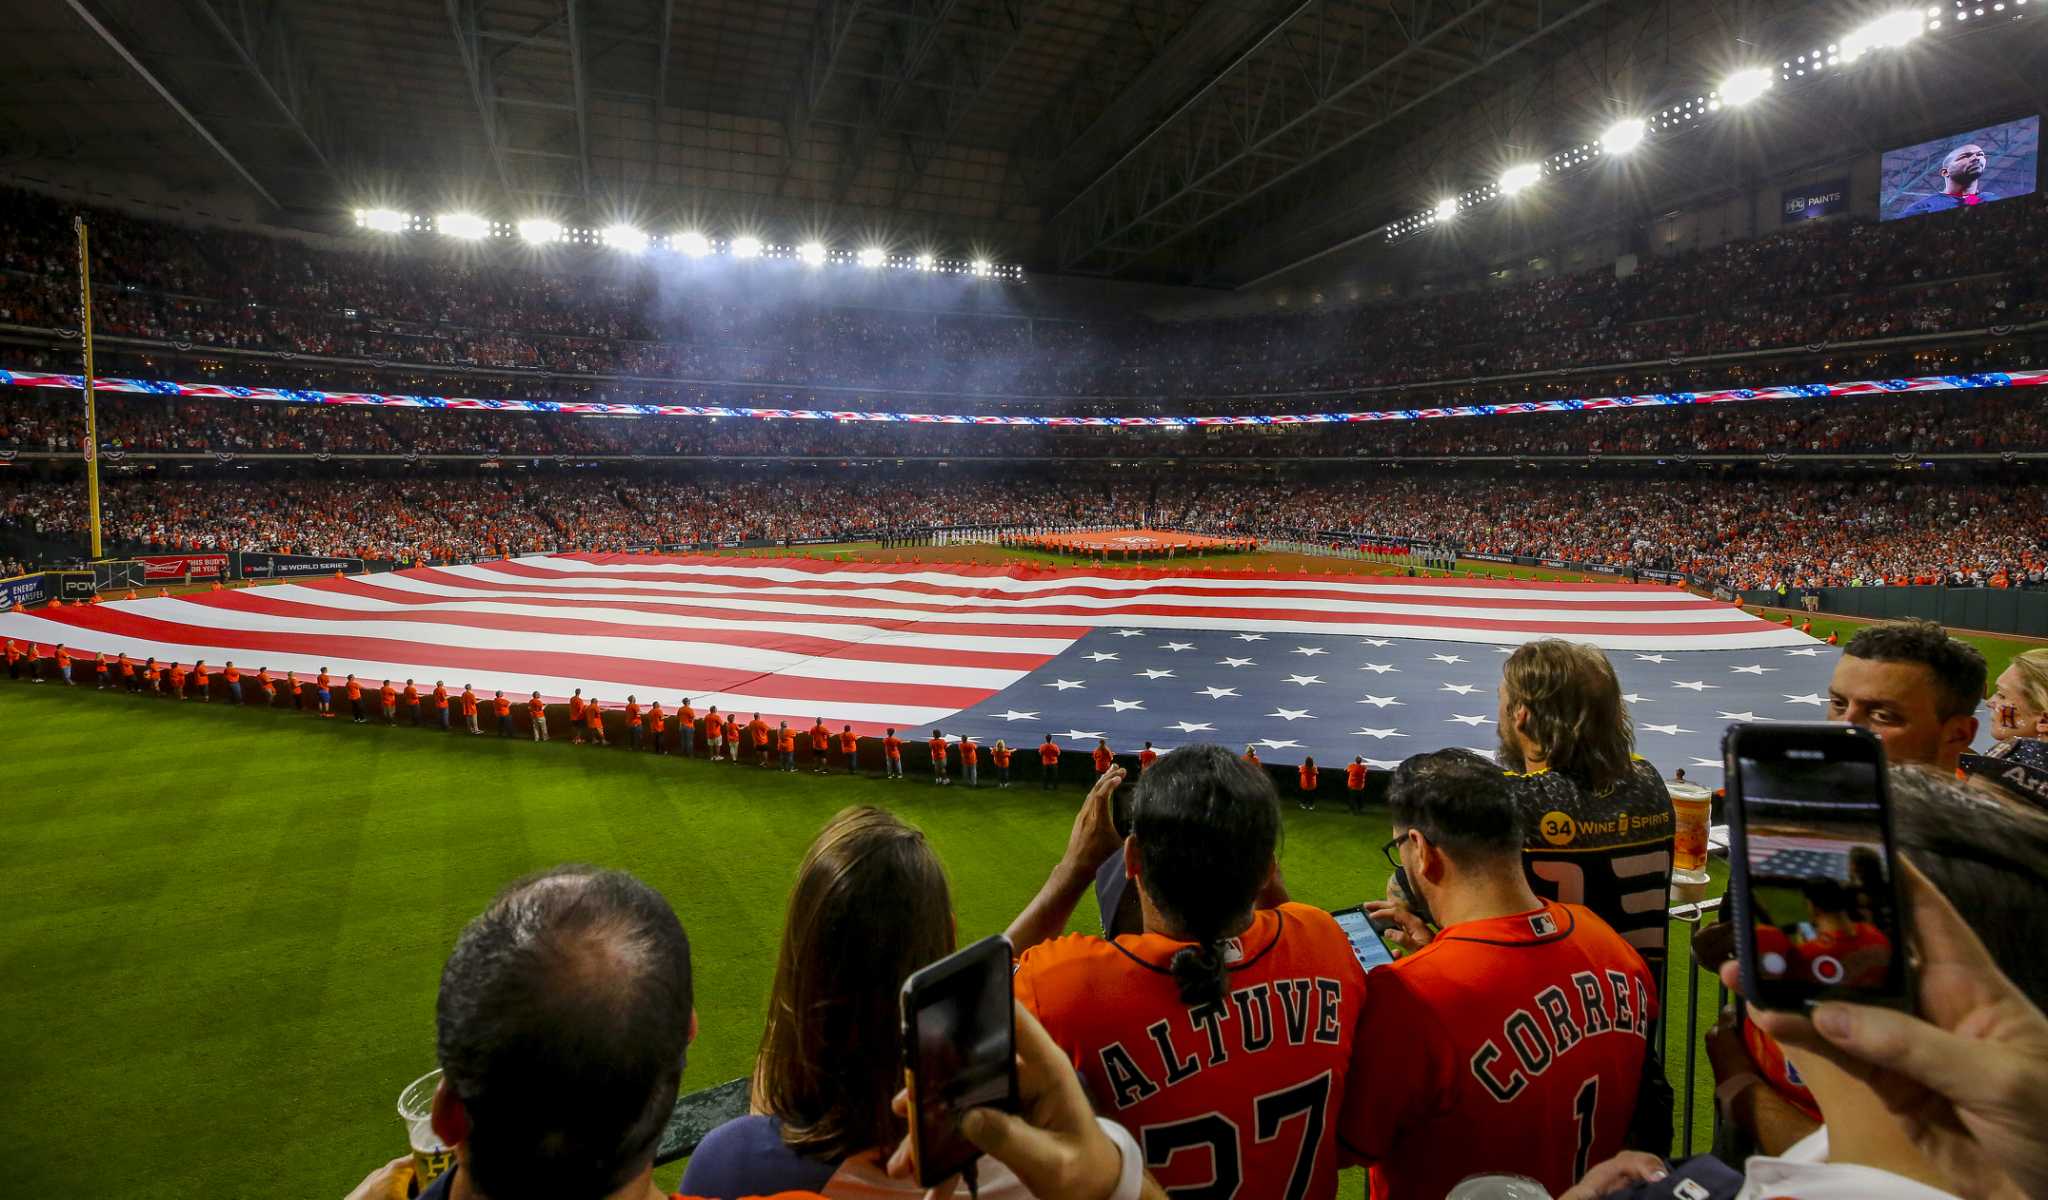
1224 1033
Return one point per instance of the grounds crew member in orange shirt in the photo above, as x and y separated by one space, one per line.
294 690
503 710
1048 764
537 717
469 708
593 720
849 749
324 692
1227 1032
970 761
178 681
1520 1017
268 685
937 746
785 745
387 700
13 659
1354 785
64 664
202 682
892 756
233 676
1308 777
1000 756
821 741
355 702
411 695
633 722
99 669
686 729
714 733
128 679
1104 756
1146 758
657 726
576 706
759 730
441 703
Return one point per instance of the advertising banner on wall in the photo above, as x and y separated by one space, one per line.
23 590
1812 201
162 568
296 566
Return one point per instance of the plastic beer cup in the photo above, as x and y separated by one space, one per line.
416 1108
1691 805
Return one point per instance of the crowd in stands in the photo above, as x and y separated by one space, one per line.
1834 281
1739 534
1925 423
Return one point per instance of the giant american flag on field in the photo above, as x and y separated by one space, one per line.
1333 665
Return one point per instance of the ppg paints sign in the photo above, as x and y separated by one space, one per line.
1816 200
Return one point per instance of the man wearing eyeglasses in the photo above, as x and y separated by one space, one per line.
1523 1017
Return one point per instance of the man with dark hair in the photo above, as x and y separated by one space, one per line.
1522 1017
1598 823
564 1018
1962 171
1913 686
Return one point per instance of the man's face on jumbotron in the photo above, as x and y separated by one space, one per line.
1896 701
1964 165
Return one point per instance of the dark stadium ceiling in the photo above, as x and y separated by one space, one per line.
1186 141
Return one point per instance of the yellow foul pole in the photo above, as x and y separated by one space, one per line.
92 431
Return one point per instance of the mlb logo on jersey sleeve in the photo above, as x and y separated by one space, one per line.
1542 924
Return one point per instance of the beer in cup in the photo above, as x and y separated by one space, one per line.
1691 803
416 1108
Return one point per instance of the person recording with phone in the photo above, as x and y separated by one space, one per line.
1522 1017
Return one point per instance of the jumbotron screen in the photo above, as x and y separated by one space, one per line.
1974 167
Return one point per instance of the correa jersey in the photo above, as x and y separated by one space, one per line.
1238 1099
1610 852
1521 1046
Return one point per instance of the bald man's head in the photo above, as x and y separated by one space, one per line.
562 1025
1964 166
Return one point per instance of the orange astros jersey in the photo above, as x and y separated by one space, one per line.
1233 1100
1521 1047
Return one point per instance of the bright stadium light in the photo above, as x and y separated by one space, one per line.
625 238
467 226
1446 208
979 266
1745 86
694 244
871 256
1623 136
382 220
1520 177
812 253
926 262
746 246
1886 32
539 231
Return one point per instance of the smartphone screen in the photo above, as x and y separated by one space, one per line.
1365 940
959 1037
1818 876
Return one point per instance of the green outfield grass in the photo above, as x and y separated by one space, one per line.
222 930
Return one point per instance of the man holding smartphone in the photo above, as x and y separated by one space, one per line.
1524 1018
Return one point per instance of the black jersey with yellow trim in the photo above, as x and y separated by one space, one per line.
1609 850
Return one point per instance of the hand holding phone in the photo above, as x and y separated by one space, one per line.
1367 944
1813 882
959 1049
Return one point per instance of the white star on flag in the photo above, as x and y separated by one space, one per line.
1376 642
1101 656
1758 669
1381 734
1484 752
1310 651
1191 727
1463 689
1447 658
1707 762
1380 668
1384 764
1673 730
1292 714
1465 720
1504 649
1121 705
1177 647
1217 693
1130 633
1697 685
1250 637
1808 698
1153 673
1279 743
1014 715
1235 663
1632 698
1381 701
1805 652
1304 680
1082 735
1740 716
1064 684
1655 658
